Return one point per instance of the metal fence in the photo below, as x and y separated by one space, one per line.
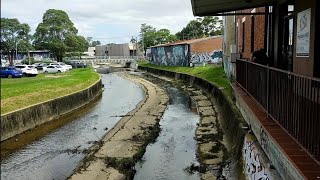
290 99
103 57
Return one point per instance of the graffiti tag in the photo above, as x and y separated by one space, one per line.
254 167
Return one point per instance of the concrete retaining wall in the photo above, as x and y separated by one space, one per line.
278 158
232 119
25 119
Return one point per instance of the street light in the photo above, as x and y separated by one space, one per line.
17 42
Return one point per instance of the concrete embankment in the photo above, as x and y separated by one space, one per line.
19 121
219 138
125 143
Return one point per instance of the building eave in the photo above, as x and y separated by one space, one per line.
215 7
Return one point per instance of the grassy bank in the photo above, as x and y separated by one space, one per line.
214 74
22 92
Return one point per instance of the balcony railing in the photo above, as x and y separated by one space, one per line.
291 100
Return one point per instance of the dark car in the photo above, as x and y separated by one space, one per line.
40 67
10 72
77 64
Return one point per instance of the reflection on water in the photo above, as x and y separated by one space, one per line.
175 148
51 156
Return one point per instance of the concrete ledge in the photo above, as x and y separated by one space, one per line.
27 118
232 120
289 159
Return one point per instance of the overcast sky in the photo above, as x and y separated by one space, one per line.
105 20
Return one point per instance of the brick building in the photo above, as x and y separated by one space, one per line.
280 100
250 32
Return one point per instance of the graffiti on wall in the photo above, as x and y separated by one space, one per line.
255 163
170 55
213 57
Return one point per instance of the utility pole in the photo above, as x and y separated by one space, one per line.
17 48
143 43
137 46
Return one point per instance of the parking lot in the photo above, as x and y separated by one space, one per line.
23 70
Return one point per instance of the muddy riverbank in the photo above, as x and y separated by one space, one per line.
125 144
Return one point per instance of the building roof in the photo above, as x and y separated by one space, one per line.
186 41
214 7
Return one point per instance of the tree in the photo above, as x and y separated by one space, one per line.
201 27
13 32
193 29
163 36
89 40
149 36
95 43
76 43
92 43
57 33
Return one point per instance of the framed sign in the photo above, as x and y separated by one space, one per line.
303 33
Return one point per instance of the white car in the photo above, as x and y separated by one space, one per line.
53 69
27 70
67 67
61 68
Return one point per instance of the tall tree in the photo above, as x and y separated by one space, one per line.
14 33
201 27
193 29
89 40
95 43
76 43
53 33
149 36
164 36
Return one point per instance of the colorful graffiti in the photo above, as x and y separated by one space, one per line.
170 55
213 57
255 161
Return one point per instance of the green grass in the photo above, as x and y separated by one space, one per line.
213 73
22 92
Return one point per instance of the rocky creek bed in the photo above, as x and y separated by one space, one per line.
125 144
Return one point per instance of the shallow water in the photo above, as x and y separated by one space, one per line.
175 148
57 154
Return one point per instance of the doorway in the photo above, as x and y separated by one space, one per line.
317 42
287 40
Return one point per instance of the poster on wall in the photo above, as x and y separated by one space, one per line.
303 33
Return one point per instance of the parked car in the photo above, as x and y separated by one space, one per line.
65 66
41 66
10 72
27 70
61 68
54 69
77 64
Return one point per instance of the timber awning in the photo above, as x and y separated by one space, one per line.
217 7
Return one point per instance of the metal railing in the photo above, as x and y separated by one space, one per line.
291 100
119 57
104 57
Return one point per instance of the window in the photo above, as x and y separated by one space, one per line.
243 34
252 33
